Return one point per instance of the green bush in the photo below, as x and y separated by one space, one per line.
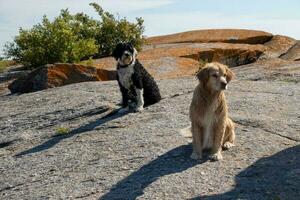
72 38
112 31
50 42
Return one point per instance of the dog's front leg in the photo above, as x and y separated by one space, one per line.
125 99
197 133
140 100
137 80
229 136
219 132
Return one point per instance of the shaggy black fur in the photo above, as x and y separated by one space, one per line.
140 79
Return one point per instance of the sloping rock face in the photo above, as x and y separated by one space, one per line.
272 69
57 75
293 53
214 35
278 46
105 155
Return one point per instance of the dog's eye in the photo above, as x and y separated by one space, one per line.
215 75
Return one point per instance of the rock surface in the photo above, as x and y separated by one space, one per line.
278 46
293 53
214 35
177 60
104 155
70 143
179 54
57 75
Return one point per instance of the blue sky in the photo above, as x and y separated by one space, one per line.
163 16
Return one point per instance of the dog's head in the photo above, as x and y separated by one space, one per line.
124 53
215 76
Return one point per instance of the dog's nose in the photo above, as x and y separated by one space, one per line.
126 54
224 85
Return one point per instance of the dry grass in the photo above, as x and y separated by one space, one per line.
89 62
6 63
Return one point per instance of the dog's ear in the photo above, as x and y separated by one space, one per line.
135 53
132 49
117 52
230 75
203 74
130 46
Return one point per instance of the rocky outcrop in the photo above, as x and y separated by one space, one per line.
176 55
57 75
293 53
214 35
179 54
278 46
13 72
178 60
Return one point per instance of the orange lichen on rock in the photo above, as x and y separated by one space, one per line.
55 75
214 35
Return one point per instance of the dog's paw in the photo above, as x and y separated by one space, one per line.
196 156
123 110
139 109
228 145
216 156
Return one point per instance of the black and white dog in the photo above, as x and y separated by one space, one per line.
137 86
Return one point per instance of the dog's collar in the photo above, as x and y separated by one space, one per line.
124 66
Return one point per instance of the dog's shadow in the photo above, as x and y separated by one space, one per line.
274 177
174 161
114 114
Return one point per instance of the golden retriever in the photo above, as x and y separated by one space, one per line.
211 127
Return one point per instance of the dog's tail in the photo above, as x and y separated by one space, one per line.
186 132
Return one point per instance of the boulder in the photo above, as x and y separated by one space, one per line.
293 53
278 46
55 75
214 35
10 75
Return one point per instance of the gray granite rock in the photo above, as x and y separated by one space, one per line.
69 143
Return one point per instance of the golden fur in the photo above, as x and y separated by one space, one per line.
211 127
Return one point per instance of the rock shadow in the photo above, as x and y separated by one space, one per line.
85 128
